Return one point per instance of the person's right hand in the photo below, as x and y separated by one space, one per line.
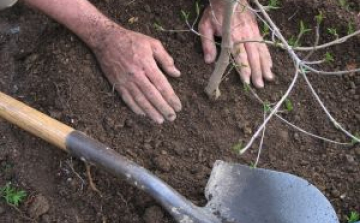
130 62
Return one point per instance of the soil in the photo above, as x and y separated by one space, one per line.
49 68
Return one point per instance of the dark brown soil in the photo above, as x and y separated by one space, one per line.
50 69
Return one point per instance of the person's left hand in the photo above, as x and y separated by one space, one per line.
253 58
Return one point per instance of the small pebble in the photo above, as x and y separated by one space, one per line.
335 193
153 214
357 151
350 158
147 8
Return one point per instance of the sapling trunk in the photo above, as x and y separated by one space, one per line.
212 89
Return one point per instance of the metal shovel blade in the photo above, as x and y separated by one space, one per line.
241 194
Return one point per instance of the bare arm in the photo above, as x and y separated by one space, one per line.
80 16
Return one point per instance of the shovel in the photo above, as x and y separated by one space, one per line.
235 193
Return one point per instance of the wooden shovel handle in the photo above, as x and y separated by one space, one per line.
34 121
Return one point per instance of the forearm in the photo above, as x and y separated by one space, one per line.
80 16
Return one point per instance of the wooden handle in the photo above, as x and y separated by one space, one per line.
34 121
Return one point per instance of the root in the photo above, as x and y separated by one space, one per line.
90 179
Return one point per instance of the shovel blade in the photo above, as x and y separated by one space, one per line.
241 194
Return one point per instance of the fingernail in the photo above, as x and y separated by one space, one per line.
177 72
177 105
260 84
160 120
171 117
208 58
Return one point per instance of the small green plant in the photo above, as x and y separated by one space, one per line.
158 27
246 87
267 107
11 195
238 147
319 18
353 217
333 32
354 141
303 28
273 4
197 8
289 105
292 42
185 15
351 28
328 57
265 30
344 4
252 165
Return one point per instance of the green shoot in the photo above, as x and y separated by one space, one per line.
354 141
351 28
328 57
265 30
267 107
303 28
252 165
292 42
185 15
289 105
353 217
238 147
273 4
11 195
197 8
304 70
344 4
158 27
246 87
320 18
333 32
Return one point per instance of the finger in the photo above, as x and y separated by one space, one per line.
154 96
162 85
266 62
241 59
165 60
208 43
144 104
129 101
254 61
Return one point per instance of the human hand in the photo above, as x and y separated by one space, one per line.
253 58
129 61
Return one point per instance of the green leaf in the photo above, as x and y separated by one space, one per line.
273 4
185 16
252 165
267 107
303 28
197 8
355 141
319 18
266 30
238 147
333 32
289 105
328 57
158 27
246 87
292 42
351 28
